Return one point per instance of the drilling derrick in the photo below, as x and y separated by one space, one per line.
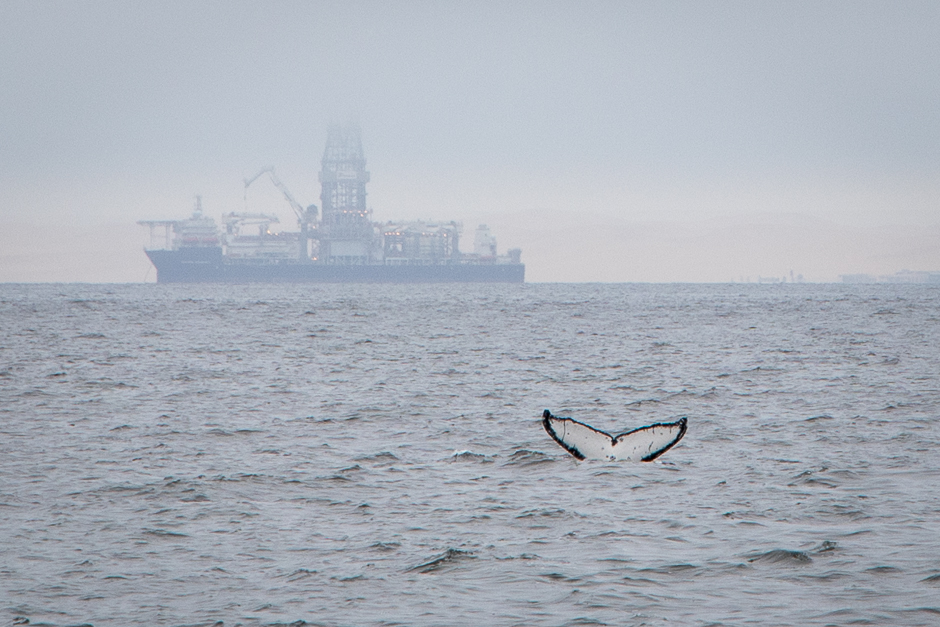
346 231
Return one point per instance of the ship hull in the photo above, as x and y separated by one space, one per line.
208 265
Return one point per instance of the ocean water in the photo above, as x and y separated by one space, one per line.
373 455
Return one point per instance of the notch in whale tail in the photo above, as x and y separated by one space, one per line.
640 445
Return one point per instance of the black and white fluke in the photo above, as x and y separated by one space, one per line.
640 445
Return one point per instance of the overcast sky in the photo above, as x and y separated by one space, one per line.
611 141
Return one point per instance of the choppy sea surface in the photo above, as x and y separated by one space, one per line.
373 455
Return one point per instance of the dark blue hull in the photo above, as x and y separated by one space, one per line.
207 265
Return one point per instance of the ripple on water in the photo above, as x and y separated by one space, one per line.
366 454
447 559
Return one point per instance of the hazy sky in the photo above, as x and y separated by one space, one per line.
611 141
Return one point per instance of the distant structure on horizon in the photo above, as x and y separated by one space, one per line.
904 276
793 278
343 245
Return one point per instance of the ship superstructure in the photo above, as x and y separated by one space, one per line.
340 244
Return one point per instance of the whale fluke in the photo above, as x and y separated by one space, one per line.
640 445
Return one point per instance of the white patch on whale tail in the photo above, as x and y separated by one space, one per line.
640 445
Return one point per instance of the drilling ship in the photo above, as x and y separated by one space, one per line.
341 244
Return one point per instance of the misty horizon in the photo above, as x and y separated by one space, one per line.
650 142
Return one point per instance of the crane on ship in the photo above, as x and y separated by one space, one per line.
305 216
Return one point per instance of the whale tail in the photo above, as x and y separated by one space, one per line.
640 445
